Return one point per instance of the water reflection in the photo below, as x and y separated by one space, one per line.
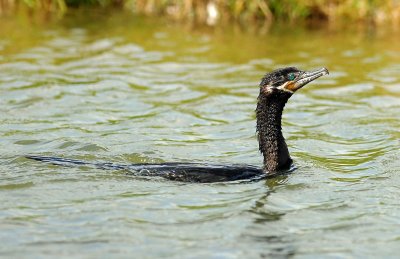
271 242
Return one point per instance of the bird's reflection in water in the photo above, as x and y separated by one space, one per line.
273 243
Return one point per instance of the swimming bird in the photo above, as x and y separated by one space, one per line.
276 88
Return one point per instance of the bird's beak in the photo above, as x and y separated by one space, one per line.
305 78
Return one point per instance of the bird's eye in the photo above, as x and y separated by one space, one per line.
291 76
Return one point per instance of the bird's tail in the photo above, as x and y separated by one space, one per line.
73 162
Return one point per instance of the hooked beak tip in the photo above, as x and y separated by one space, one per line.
325 71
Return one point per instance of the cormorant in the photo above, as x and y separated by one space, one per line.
276 88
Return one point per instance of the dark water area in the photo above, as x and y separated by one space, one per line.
125 89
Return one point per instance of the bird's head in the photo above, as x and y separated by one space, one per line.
288 80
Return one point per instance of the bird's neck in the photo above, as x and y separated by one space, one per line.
271 141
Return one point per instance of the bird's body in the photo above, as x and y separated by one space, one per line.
184 172
275 90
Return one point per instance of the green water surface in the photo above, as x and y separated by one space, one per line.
124 89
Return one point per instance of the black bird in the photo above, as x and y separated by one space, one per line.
276 88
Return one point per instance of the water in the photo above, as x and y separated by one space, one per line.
127 90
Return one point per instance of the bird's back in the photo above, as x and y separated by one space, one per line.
184 172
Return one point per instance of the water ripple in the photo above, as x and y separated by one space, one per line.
163 95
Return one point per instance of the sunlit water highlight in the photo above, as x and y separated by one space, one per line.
128 90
